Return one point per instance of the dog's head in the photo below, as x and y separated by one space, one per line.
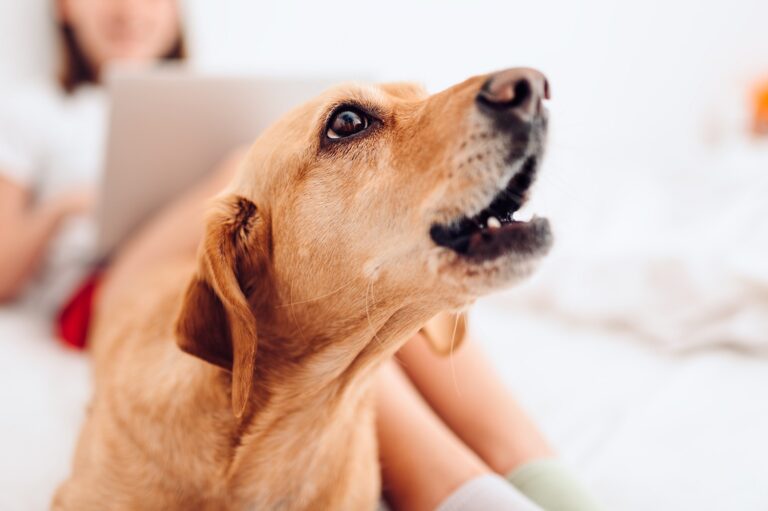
366 202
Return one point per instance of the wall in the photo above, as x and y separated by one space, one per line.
630 79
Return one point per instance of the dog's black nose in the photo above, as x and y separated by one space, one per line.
514 93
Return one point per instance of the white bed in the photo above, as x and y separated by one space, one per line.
646 431
654 417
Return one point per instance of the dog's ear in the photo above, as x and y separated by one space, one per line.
445 332
216 322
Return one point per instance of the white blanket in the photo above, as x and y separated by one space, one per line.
681 258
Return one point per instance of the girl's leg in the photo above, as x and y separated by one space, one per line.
407 429
424 466
468 395
473 401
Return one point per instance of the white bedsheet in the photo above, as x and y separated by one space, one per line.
43 395
646 431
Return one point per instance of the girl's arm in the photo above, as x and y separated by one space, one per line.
25 232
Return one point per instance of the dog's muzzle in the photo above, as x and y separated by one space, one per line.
513 101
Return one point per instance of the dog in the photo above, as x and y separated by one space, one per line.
243 380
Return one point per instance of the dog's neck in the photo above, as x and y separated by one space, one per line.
317 361
309 360
306 342
311 405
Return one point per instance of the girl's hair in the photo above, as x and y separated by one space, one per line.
75 70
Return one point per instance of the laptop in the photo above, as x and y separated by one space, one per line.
170 127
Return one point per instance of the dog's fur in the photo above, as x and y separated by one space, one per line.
316 267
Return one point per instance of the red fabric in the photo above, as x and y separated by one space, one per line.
74 318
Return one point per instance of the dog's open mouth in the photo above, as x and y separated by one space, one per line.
500 228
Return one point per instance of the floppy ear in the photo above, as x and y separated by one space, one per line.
216 322
445 332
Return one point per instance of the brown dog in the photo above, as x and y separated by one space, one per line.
352 222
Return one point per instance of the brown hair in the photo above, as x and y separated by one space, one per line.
75 70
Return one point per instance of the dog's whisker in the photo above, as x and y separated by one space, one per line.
368 313
326 295
450 356
293 313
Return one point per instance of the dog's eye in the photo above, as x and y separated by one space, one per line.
347 122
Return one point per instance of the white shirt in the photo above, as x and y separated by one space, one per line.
51 142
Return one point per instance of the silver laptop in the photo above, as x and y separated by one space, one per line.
169 127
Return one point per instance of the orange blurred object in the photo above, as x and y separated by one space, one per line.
760 107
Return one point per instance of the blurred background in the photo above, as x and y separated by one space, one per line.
640 347
666 70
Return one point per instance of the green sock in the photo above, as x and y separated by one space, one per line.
550 484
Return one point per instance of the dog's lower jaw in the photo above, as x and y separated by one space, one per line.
470 280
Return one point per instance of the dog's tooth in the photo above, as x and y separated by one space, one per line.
493 222
522 215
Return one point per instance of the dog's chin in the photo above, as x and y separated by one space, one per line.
503 263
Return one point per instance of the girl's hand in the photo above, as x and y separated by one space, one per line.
26 230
